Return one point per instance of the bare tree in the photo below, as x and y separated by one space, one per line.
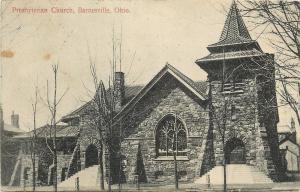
100 116
52 107
220 118
103 110
33 139
281 21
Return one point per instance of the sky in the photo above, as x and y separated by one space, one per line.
154 32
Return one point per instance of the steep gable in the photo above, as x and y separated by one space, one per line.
198 89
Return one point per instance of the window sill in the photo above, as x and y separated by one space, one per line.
171 158
233 92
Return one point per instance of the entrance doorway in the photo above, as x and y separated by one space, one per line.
235 152
91 156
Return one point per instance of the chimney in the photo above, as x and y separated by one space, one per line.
15 119
119 90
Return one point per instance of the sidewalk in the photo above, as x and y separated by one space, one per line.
278 187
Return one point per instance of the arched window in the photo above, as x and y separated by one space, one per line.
170 137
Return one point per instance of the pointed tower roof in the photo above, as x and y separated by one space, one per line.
235 41
234 30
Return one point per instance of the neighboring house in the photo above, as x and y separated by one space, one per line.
67 136
289 147
9 148
147 118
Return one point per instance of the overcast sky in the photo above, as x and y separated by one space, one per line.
153 32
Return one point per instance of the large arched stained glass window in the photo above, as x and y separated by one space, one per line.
170 137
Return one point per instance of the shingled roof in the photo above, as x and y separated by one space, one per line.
234 30
235 41
231 55
130 92
44 131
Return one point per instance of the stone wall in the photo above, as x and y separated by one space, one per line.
43 161
166 97
243 126
268 119
254 127
62 160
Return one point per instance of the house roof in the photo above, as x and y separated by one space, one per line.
199 88
61 131
12 129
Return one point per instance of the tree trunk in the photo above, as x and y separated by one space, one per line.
101 167
34 138
55 171
175 170
109 175
224 168
298 117
33 169
55 68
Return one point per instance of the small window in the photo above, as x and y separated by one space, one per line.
233 112
234 85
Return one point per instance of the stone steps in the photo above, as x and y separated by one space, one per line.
88 178
235 174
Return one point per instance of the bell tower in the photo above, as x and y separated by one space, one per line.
243 113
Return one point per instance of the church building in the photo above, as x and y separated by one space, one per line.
229 118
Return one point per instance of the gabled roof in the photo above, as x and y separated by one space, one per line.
234 30
130 92
198 89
